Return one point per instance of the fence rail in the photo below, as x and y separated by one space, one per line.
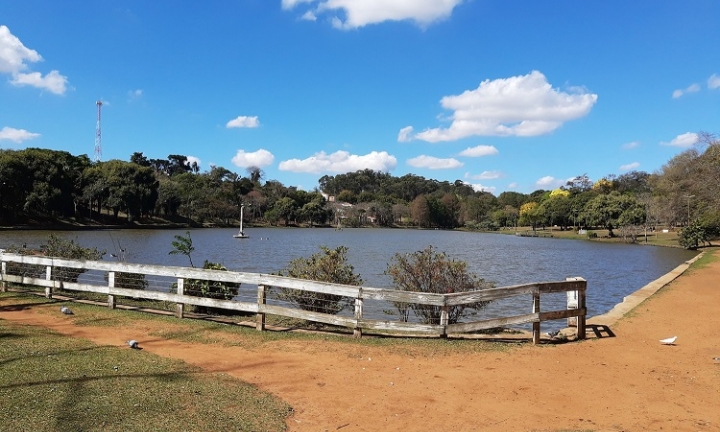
51 278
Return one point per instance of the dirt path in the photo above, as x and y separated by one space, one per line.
629 382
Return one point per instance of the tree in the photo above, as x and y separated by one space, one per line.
479 207
428 271
531 213
581 183
328 265
514 199
693 235
139 159
635 182
255 174
557 208
177 164
420 211
286 209
314 211
183 245
606 210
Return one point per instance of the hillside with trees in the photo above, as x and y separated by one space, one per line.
46 186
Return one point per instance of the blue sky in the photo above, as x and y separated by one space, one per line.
518 95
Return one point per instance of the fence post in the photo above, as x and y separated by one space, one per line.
357 332
111 285
262 300
180 307
48 276
536 324
582 307
572 302
3 284
444 319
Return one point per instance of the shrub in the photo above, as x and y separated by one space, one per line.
135 281
694 235
183 245
212 289
329 265
428 271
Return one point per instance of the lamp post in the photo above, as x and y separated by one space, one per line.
688 207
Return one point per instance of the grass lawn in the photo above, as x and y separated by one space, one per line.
49 382
657 238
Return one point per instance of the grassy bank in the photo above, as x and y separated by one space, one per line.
657 238
50 382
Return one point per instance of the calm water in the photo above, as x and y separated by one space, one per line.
612 270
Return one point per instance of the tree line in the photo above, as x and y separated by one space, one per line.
42 184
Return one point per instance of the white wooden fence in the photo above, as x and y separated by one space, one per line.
13 273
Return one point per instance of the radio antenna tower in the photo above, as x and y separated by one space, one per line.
98 135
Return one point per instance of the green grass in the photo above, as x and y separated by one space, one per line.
50 382
210 332
657 238
710 256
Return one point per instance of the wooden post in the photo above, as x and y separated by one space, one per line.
3 284
111 284
180 307
536 324
444 320
572 302
357 332
262 300
48 276
581 305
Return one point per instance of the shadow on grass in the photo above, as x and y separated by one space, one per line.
22 306
41 354
169 376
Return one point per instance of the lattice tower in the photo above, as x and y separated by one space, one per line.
98 135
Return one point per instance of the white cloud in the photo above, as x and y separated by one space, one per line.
134 95
477 187
358 13
517 106
243 122
431 162
340 162
687 139
404 134
692 88
512 185
53 81
549 182
485 175
13 54
309 16
289 4
260 158
479 151
631 145
14 59
713 82
630 166
16 135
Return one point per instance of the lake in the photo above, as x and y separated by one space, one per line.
612 270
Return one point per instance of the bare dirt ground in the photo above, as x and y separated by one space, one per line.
625 382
